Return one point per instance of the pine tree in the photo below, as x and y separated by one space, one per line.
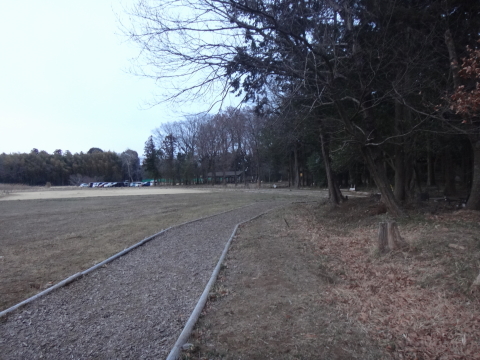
151 160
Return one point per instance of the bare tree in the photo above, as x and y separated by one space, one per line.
208 148
130 164
236 131
350 63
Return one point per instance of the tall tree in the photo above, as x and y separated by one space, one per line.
151 158
130 164
465 101
169 148
366 71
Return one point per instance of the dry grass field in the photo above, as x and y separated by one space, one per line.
12 192
45 240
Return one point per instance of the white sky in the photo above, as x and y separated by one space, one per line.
64 82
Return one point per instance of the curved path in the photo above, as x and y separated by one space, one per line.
135 307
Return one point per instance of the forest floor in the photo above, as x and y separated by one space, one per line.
307 282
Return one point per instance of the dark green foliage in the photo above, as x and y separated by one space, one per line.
94 150
151 158
60 168
371 78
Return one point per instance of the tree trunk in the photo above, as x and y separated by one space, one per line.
389 238
259 181
214 174
418 178
473 202
411 181
333 189
449 172
377 172
295 167
452 53
373 158
400 184
244 172
430 164
289 169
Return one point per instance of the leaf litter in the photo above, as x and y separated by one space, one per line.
387 293
411 304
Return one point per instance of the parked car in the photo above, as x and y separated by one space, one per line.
84 185
119 184
108 185
146 183
136 184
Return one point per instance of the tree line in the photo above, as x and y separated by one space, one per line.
204 149
65 168
388 88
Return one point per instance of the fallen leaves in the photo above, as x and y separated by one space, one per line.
385 296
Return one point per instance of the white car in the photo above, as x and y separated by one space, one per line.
136 184
84 185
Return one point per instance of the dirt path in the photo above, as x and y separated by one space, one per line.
135 307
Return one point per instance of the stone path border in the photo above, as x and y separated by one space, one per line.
187 330
133 307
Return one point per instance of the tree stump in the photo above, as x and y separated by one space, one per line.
389 238
382 238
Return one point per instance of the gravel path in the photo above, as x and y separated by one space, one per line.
135 307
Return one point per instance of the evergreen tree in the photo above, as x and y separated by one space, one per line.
151 160
169 146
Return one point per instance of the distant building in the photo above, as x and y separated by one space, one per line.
229 177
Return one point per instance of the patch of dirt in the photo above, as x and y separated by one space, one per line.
308 283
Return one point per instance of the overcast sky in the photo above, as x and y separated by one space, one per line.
64 82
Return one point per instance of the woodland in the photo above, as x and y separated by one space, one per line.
368 92
64 168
